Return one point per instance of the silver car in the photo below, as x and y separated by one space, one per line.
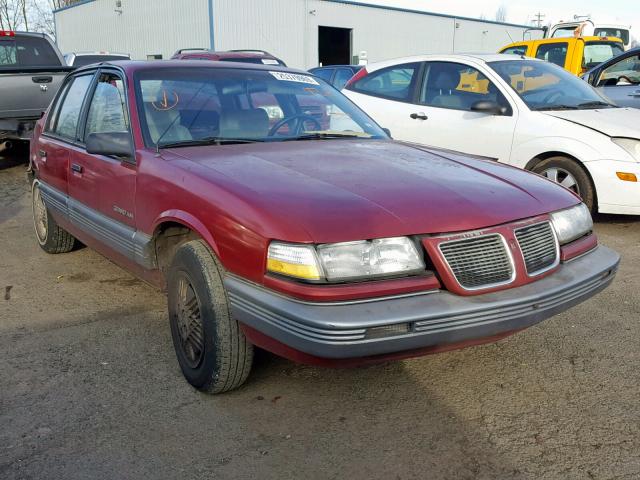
619 78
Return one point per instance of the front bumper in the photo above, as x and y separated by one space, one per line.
615 195
342 330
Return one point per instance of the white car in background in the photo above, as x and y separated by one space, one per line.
516 110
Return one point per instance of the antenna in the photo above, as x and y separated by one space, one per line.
510 38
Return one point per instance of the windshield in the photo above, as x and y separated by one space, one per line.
191 104
544 86
25 51
620 33
82 60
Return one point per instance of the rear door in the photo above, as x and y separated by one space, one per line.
388 96
60 133
621 81
104 187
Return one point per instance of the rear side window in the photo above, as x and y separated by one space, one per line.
27 51
520 50
65 123
597 52
555 53
343 75
395 82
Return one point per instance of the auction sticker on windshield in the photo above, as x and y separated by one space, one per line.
294 77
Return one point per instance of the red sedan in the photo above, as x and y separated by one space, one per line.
325 242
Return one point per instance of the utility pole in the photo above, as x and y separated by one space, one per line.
538 18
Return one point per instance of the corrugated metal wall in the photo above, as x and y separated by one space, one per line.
145 27
287 28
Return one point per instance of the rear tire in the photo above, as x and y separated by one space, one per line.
51 237
569 174
212 351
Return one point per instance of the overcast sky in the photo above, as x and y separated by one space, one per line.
604 11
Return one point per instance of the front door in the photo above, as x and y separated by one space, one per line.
447 97
103 188
621 81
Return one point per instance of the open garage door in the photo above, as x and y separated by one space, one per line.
334 46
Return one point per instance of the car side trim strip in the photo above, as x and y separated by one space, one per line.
122 238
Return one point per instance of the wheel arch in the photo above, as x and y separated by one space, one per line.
173 228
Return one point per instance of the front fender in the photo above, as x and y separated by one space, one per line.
524 152
189 221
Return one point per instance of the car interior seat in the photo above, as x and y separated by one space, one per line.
252 123
443 89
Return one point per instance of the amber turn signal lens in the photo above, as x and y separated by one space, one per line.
627 177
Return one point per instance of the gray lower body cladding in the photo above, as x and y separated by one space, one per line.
342 330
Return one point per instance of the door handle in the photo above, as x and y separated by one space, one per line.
45 79
419 116
76 168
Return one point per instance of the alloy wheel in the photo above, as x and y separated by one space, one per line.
562 177
189 322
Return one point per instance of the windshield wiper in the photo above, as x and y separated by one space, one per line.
595 104
207 141
323 136
556 107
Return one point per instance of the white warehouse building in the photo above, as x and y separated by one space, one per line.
303 33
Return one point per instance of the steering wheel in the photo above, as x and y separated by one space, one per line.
299 119
626 79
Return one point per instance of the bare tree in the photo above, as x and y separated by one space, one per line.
501 14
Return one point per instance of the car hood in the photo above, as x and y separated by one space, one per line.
339 190
614 122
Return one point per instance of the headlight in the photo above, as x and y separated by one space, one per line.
572 223
346 261
631 145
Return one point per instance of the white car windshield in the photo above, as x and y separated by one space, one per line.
544 86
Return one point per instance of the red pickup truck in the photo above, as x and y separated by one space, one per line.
331 245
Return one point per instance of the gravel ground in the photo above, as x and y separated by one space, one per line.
90 387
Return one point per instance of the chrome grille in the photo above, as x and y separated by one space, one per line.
479 262
539 247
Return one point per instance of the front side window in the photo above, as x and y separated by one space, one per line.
108 108
555 53
624 72
519 50
543 86
597 52
395 83
65 122
457 86
203 104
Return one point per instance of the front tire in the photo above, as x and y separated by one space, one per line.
212 351
569 174
51 237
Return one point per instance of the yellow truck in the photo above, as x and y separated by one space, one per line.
575 54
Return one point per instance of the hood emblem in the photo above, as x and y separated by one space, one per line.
44 88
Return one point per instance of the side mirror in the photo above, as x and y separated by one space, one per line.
488 107
111 144
387 131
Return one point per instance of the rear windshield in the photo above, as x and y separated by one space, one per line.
597 52
258 60
26 52
82 60
620 33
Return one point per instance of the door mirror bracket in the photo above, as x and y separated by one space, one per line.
489 107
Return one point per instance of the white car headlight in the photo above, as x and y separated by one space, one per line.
630 145
346 261
572 223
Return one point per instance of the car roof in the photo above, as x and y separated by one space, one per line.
131 66
80 54
544 41
451 57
